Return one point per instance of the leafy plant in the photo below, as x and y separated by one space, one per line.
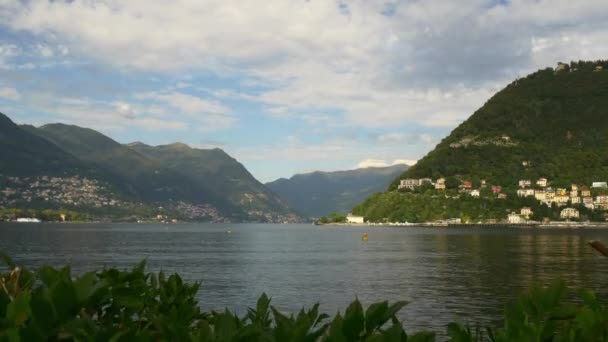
49 304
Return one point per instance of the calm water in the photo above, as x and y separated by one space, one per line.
444 273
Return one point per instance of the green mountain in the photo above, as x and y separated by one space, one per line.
552 123
318 193
216 170
26 154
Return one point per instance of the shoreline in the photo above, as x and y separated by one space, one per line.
599 225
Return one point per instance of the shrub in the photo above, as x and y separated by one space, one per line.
112 305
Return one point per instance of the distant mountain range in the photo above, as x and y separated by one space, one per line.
201 184
318 193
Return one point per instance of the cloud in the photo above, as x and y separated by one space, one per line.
211 114
9 94
7 51
376 64
383 163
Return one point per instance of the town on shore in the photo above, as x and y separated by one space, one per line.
568 201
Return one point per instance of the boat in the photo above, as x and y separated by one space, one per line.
28 220
364 237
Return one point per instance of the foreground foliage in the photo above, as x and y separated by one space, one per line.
113 305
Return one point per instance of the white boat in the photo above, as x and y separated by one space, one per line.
28 220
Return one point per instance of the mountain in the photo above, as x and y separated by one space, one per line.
26 154
216 170
318 193
136 175
550 124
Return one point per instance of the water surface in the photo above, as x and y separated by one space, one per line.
445 274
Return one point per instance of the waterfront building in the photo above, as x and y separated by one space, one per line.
569 213
350 218
514 218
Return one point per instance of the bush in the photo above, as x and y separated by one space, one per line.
112 305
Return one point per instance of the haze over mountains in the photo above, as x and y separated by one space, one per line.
319 193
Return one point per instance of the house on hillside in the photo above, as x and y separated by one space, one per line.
496 189
475 193
575 200
569 213
526 212
502 196
561 199
574 190
585 192
588 203
440 184
408 184
542 182
562 67
467 185
599 185
540 195
525 192
524 183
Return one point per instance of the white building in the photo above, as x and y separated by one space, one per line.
526 211
475 193
408 183
515 218
525 183
440 184
542 182
525 192
350 218
599 185
569 213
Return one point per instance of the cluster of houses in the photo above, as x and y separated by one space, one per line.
561 196
540 190
74 191
439 184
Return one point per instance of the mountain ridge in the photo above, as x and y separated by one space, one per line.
317 193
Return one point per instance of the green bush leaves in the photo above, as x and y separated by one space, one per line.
114 305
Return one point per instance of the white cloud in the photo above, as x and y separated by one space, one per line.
7 51
383 163
209 113
9 94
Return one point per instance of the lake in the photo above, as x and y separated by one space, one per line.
445 274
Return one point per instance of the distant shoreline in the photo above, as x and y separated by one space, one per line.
475 225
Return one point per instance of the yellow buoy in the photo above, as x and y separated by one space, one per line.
364 237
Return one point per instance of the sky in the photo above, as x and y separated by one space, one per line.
283 86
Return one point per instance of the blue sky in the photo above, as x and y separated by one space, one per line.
283 86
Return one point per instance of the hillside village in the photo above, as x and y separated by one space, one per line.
592 197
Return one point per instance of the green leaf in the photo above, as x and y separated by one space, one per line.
375 316
18 310
354 321
85 286
65 300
